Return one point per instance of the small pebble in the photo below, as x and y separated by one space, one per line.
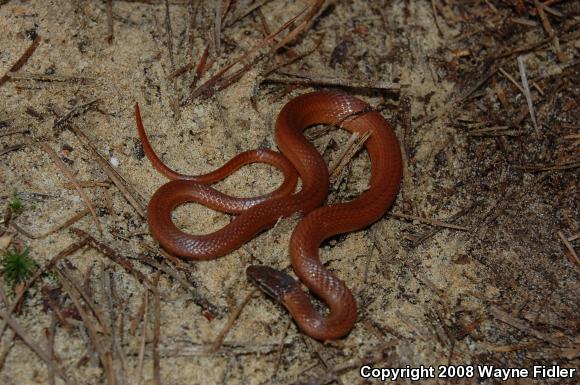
114 161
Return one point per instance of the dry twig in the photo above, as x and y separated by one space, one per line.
549 30
127 190
433 222
156 334
51 335
22 60
572 256
110 24
72 220
219 79
143 339
519 324
35 347
527 93
233 317
104 355
76 111
325 81
74 181
115 257
352 146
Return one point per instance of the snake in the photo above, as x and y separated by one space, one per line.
297 158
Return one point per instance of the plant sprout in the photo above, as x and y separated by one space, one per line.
17 266
16 205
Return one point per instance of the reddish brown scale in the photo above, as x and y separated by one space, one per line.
257 214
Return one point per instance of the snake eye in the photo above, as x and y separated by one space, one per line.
273 282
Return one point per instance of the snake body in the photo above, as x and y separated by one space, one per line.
318 224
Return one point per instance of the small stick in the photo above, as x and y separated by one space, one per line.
9 345
23 59
115 257
565 37
200 68
457 101
132 196
107 282
374 329
519 324
470 90
197 298
268 40
292 59
21 230
247 11
511 79
156 332
34 346
488 129
332 374
527 91
316 347
76 111
495 131
321 131
433 222
72 220
8 149
104 355
56 311
110 21
27 76
514 347
293 33
169 29
354 137
180 71
526 22
89 184
65 273
51 335
572 256
63 253
64 169
405 114
546 6
431 233
499 91
332 82
143 339
10 342
139 316
281 346
86 284
233 317
436 19
227 349
217 26
538 88
564 166
15 130
549 30
109 204
351 150
191 26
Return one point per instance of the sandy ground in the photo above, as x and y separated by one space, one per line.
500 289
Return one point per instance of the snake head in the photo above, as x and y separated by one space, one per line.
273 282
